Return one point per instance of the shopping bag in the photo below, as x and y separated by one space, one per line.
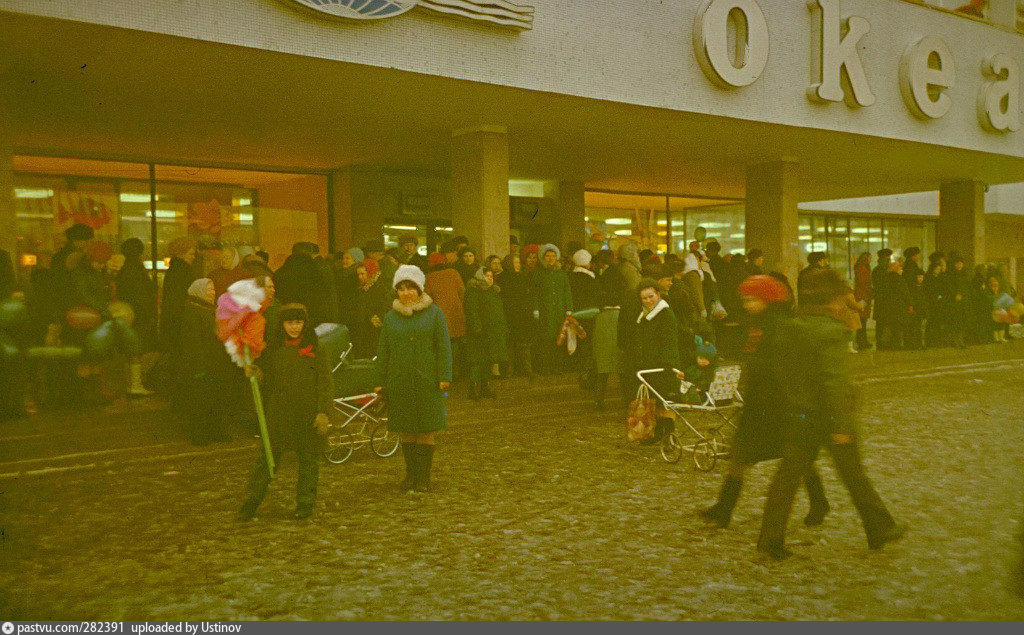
641 417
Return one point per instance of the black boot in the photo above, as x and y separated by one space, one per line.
248 511
721 512
425 458
775 549
816 496
411 461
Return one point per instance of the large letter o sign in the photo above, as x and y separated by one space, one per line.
743 65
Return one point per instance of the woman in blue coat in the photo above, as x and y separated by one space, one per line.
414 364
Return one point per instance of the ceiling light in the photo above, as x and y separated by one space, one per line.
618 221
624 232
401 228
130 197
32 192
529 189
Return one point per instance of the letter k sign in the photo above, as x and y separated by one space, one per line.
834 52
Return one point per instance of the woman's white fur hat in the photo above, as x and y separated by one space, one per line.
410 273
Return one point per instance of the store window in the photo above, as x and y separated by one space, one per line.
613 219
846 237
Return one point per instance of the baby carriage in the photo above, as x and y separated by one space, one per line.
712 421
361 416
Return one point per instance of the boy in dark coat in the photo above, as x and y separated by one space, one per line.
486 331
298 392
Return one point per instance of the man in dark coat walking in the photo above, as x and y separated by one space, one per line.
809 361
299 281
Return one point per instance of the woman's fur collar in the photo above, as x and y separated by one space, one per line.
655 311
585 271
407 311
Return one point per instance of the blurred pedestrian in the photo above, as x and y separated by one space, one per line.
205 367
863 293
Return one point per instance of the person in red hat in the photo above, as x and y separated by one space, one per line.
445 286
373 299
767 299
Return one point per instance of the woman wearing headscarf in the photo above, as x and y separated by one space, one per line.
229 271
347 284
519 302
467 264
554 303
586 294
486 332
414 365
372 301
205 367
767 301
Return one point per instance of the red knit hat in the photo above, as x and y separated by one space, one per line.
436 258
529 249
371 266
764 288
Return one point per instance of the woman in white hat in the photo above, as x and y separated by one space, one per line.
414 363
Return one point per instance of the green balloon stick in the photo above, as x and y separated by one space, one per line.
257 399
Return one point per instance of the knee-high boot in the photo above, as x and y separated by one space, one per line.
425 460
816 496
721 512
409 452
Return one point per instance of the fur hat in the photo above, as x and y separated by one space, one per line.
529 249
356 253
371 266
410 273
582 258
550 247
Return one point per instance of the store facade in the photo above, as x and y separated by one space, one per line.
261 122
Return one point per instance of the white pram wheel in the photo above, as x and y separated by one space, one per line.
671 449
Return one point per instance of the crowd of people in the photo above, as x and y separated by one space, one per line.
452 316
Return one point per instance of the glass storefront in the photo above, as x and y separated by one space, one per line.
661 223
846 237
216 207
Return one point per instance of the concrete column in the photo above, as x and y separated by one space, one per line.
771 215
962 220
369 206
341 196
8 224
480 208
572 214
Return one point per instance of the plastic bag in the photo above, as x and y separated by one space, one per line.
642 416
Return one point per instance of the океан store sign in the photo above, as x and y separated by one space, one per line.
837 74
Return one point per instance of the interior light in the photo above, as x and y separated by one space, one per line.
32 192
129 197
242 202
245 219
618 221
401 228
28 260
165 213
528 189
624 232
737 235
444 229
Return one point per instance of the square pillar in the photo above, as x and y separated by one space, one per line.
771 216
962 220
368 206
340 191
480 207
572 214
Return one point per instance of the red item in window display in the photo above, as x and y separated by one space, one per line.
72 208
204 218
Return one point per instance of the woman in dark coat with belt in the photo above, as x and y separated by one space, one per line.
654 343
486 332
414 366
205 366
758 437
520 303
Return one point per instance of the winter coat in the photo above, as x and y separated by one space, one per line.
809 361
935 289
554 300
202 355
628 278
958 291
297 386
298 280
370 302
655 344
758 435
466 272
137 289
347 285
606 341
413 357
90 288
862 290
224 278
918 300
328 296
892 299
586 290
877 274
519 302
486 328
849 312
447 291
172 304
910 272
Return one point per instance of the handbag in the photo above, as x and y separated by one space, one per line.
641 417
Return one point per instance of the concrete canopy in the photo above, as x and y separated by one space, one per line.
79 89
